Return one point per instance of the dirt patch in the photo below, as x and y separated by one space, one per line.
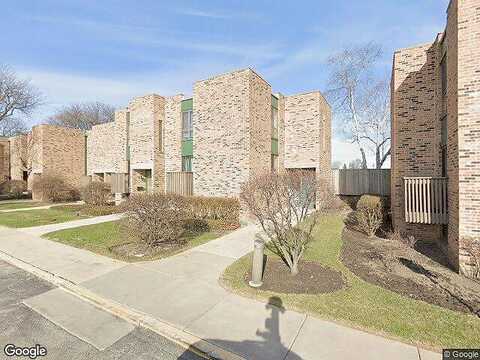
137 250
393 266
311 279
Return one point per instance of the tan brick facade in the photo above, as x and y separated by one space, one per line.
4 159
308 133
419 106
232 137
53 151
222 132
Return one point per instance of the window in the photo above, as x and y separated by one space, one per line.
187 163
160 135
274 122
187 125
274 162
443 75
444 130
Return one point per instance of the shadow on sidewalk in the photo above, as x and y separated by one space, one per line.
269 347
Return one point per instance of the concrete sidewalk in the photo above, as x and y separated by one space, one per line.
42 207
44 229
183 291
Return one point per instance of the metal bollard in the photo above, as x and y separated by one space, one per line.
257 264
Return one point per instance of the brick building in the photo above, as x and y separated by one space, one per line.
48 150
436 135
232 127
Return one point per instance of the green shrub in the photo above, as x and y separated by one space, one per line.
54 189
369 214
96 193
15 188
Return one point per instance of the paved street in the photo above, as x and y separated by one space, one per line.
22 326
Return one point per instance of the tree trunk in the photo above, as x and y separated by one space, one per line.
294 268
364 159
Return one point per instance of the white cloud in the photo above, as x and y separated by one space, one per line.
156 37
61 88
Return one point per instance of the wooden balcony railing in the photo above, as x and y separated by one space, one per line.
426 200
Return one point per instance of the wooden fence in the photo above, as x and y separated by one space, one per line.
119 183
361 181
180 183
426 200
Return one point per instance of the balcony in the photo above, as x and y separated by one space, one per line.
426 200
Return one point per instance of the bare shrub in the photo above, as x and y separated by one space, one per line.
471 248
54 189
407 240
96 193
280 202
369 214
155 218
14 188
220 213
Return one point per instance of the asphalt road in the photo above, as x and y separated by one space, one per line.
23 327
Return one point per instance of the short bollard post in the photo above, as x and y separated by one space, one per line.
257 264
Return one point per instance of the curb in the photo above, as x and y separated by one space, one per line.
186 340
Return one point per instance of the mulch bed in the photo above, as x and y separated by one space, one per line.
396 267
312 278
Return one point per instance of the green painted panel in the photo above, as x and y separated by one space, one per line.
187 104
187 148
274 102
274 146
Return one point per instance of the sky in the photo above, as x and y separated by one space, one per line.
112 51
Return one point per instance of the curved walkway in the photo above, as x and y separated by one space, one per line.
184 292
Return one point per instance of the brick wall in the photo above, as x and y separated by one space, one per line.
63 153
418 105
173 133
225 109
259 125
468 17
4 159
415 129
101 151
451 47
308 133
17 151
281 132
146 115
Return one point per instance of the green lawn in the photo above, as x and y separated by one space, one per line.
20 219
366 306
99 238
20 205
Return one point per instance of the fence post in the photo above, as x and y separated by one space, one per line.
257 263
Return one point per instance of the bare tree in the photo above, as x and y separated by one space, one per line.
281 202
83 115
24 151
375 124
12 126
336 164
352 86
16 95
355 164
